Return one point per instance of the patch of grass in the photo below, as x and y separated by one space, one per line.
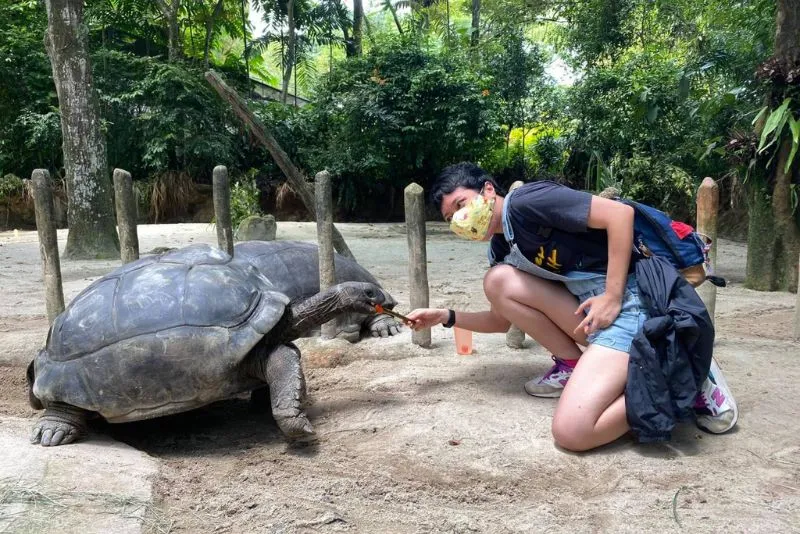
40 506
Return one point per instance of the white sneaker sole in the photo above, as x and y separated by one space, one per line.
544 394
707 422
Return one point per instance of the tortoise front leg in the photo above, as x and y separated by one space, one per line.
382 325
59 424
281 370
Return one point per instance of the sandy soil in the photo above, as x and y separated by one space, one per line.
424 440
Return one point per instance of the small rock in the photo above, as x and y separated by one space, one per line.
257 228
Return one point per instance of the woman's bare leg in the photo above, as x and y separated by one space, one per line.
543 309
591 411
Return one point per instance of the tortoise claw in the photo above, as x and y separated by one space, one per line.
59 425
383 326
296 428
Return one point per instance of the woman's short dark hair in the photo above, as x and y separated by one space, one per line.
464 174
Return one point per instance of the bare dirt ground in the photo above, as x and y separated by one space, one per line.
424 440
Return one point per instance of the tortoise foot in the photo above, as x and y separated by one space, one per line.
59 425
296 427
383 326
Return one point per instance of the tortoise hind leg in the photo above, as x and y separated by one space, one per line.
287 386
59 424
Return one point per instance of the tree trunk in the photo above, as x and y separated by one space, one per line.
787 38
760 240
210 30
92 228
447 35
369 31
393 10
170 12
787 233
287 71
787 50
774 237
358 19
476 22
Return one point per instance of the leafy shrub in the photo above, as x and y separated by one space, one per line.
657 183
10 186
244 199
398 114
541 154
163 117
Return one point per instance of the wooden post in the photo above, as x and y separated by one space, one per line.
417 256
126 216
293 175
707 210
48 243
324 211
515 337
222 208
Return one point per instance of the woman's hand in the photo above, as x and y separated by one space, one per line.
602 311
427 317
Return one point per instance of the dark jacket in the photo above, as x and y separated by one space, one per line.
670 356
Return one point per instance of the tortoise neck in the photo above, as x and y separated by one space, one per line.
305 315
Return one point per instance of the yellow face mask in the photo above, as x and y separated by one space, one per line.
472 221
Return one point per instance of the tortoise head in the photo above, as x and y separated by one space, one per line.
347 297
361 297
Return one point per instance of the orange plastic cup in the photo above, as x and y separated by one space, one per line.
463 341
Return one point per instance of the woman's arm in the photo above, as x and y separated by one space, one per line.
486 321
616 219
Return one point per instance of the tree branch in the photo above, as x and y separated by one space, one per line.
294 176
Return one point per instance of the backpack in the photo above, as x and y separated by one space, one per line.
656 234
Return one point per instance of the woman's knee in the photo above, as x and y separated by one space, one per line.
496 282
572 434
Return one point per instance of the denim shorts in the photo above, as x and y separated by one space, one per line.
631 318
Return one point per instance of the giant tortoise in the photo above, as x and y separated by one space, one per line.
293 268
171 333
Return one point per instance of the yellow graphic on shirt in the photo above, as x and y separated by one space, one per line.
539 257
551 261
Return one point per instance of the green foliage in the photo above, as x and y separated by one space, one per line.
655 182
10 186
598 29
30 133
540 154
777 121
244 199
645 179
516 68
398 114
662 85
162 116
633 105
600 175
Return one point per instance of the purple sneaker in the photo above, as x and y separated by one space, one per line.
715 406
552 383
